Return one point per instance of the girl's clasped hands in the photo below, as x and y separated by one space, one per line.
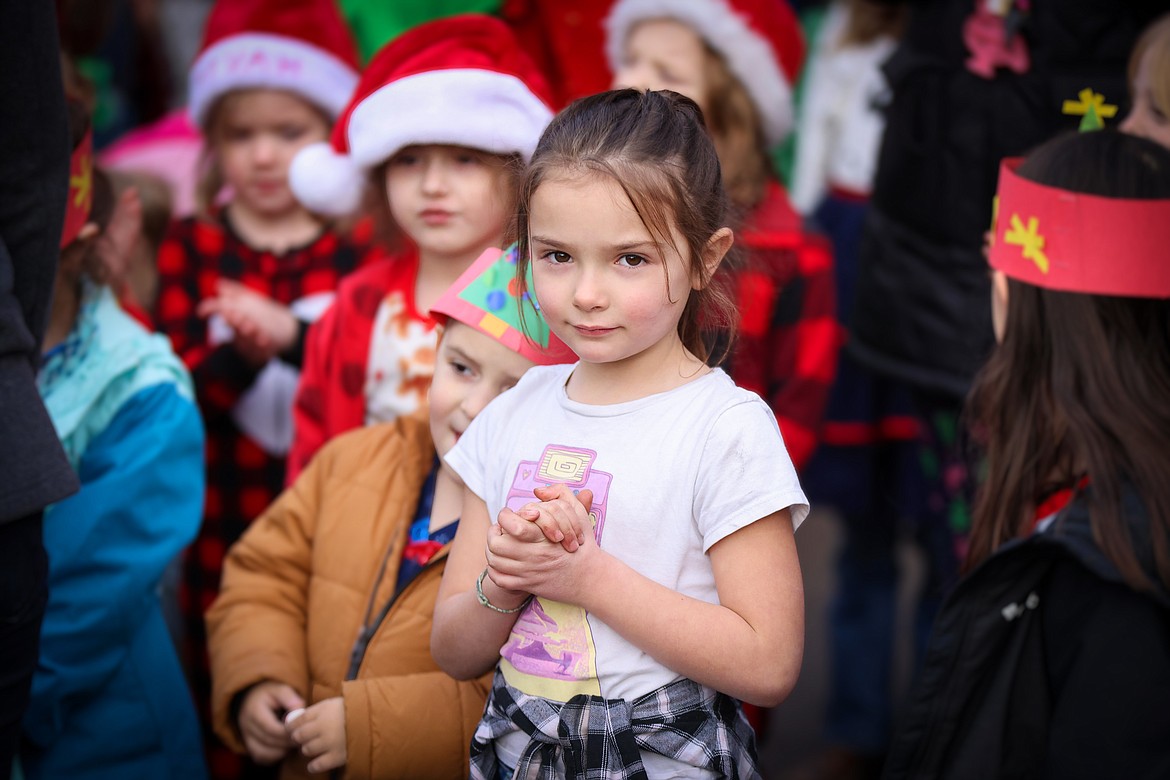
546 547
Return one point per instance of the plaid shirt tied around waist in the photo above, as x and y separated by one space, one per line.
592 738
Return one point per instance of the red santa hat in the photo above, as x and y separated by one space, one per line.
302 46
760 41
462 80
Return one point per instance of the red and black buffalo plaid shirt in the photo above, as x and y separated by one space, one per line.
788 336
242 479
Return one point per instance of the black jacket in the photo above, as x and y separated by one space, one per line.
34 181
923 296
1044 664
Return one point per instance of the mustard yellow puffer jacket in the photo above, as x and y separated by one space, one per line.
295 590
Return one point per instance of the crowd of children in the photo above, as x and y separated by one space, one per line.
472 437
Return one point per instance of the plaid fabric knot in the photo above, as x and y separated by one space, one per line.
593 738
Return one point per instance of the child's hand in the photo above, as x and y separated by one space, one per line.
263 328
260 722
320 731
561 515
520 559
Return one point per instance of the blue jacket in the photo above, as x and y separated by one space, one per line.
109 698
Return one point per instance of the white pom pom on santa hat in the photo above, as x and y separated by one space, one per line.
326 182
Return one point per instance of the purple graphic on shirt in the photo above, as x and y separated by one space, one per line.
552 640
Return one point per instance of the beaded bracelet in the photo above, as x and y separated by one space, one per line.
483 599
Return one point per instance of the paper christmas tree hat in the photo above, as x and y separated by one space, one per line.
487 298
1075 242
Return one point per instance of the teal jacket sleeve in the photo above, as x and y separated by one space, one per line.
140 504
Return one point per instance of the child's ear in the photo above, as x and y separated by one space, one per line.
718 245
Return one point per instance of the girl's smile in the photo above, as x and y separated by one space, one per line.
435 217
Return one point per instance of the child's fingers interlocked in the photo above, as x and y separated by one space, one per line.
561 514
518 527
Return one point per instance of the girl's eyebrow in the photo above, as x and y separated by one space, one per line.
624 246
460 355
633 246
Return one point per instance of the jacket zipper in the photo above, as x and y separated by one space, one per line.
358 653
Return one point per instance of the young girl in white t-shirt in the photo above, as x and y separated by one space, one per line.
626 649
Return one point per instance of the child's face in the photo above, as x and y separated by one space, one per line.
664 54
452 201
1146 118
605 287
471 370
256 134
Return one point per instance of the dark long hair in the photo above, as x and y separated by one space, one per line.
1080 384
656 147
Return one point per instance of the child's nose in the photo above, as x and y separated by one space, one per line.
476 399
434 180
588 293
263 150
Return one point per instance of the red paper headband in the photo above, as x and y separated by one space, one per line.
1081 243
80 201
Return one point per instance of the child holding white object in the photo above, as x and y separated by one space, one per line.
687 594
438 128
327 598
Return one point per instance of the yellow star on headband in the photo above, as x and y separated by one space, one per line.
1029 239
1087 101
81 183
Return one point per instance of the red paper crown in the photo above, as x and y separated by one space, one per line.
1074 242
80 201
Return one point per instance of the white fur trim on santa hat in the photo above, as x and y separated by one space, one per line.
264 60
469 107
326 182
749 56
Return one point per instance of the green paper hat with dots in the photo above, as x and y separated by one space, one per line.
486 298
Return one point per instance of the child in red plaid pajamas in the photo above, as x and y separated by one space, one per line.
238 284
438 129
739 59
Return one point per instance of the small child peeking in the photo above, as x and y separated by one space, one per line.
319 640
641 574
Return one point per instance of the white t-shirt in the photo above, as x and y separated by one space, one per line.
671 475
